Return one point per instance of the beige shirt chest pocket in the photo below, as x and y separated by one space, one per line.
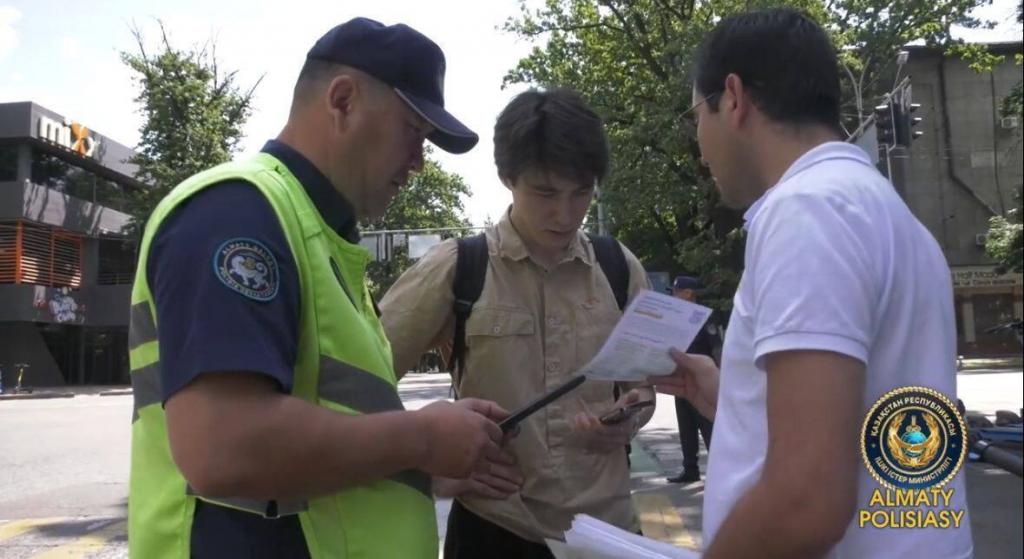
502 346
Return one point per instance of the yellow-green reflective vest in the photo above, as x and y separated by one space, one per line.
344 364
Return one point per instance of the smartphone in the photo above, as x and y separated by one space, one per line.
618 415
512 421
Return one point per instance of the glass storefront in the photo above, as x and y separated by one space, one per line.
54 172
991 311
87 355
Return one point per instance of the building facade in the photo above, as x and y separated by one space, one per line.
965 168
65 267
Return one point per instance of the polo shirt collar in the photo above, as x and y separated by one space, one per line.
818 154
335 210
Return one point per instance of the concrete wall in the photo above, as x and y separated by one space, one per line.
10 200
15 119
108 305
20 342
45 205
985 158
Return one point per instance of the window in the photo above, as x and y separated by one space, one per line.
8 252
53 172
117 262
39 255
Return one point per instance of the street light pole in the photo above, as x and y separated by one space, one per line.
602 225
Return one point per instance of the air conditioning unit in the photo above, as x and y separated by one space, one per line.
980 239
1009 122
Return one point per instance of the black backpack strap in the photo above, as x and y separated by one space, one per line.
612 260
613 263
470 272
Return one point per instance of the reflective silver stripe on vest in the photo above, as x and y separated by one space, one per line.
417 480
146 389
366 393
142 328
266 509
355 388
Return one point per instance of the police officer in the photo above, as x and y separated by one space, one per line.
267 421
690 421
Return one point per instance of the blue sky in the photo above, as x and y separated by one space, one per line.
64 55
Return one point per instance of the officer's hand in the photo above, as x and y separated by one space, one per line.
604 439
497 479
460 436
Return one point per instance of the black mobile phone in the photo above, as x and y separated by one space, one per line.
512 421
618 415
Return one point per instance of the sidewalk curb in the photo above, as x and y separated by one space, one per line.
649 455
122 392
37 396
647 449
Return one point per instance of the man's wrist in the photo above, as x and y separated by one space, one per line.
418 434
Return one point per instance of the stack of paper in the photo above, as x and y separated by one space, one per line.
589 538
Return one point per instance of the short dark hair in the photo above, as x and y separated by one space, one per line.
313 73
553 130
316 74
783 56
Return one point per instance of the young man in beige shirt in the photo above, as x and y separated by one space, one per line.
545 309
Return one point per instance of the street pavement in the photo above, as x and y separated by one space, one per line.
64 467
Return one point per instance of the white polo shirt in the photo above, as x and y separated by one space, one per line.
835 261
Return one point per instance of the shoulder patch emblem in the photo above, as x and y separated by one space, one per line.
248 267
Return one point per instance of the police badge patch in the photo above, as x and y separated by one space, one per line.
248 267
913 438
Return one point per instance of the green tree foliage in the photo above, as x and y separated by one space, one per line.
194 114
1013 104
631 60
431 200
1005 241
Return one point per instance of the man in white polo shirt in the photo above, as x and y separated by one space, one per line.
844 297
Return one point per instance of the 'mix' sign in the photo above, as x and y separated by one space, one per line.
69 135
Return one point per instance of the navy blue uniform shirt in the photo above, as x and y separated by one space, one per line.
226 291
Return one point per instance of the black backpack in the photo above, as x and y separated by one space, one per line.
471 270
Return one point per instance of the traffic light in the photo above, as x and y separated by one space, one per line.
885 123
905 124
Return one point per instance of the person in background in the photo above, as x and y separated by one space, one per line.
690 421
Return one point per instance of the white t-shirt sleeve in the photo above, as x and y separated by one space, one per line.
814 276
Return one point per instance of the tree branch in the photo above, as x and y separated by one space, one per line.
642 45
666 232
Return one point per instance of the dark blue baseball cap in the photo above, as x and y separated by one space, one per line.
406 60
686 282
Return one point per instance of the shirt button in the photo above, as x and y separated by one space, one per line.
552 322
496 329
552 367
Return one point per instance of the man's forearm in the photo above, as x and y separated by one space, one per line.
287 448
768 523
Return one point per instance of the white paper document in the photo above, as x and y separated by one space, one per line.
638 346
590 538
